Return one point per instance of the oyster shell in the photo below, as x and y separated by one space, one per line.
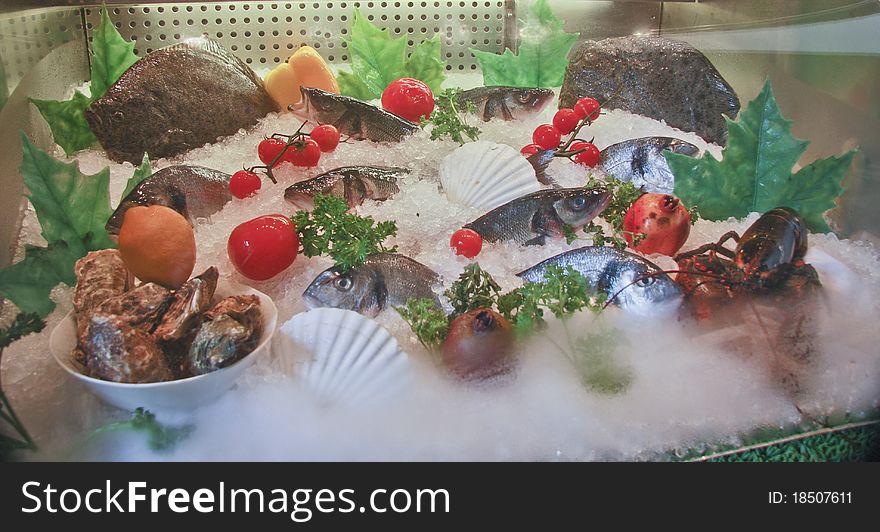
116 351
230 331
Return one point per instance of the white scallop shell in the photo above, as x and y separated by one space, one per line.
346 358
486 175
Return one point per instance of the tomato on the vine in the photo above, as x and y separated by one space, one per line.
546 136
244 183
304 153
409 98
530 149
269 148
327 137
263 247
466 242
587 108
565 120
589 157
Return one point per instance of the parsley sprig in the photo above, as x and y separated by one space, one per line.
345 237
447 118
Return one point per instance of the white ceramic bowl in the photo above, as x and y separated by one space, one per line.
182 394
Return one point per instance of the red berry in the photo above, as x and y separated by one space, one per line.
244 183
269 149
566 120
546 136
466 242
327 137
263 247
409 98
587 107
304 152
530 149
589 157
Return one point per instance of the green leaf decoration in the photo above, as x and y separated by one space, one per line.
754 174
425 64
377 59
140 173
71 207
542 57
67 122
29 282
351 85
112 55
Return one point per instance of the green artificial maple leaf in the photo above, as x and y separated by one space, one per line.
542 57
351 85
140 173
425 64
71 207
754 174
29 282
377 59
111 56
67 122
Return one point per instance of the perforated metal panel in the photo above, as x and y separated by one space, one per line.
26 37
265 33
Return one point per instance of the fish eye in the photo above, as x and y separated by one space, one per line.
645 282
525 97
343 283
578 203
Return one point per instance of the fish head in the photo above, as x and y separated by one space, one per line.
529 100
358 289
683 148
168 197
643 292
577 207
319 106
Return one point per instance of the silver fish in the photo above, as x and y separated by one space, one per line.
354 183
178 98
641 162
532 218
193 191
506 103
385 279
635 284
359 120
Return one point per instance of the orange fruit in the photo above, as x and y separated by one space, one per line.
312 70
158 246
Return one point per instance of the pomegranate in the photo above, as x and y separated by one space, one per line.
664 221
479 345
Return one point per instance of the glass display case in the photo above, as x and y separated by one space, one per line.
752 354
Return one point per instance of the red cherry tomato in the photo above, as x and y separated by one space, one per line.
243 184
589 157
587 107
263 247
304 153
269 149
565 120
530 149
327 137
466 242
409 98
546 136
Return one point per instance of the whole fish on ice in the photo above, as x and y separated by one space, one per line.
178 98
530 219
193 191
506 103
385 279
354 183
641 162
635 284
352 117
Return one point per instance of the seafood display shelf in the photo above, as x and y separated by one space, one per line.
688 387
